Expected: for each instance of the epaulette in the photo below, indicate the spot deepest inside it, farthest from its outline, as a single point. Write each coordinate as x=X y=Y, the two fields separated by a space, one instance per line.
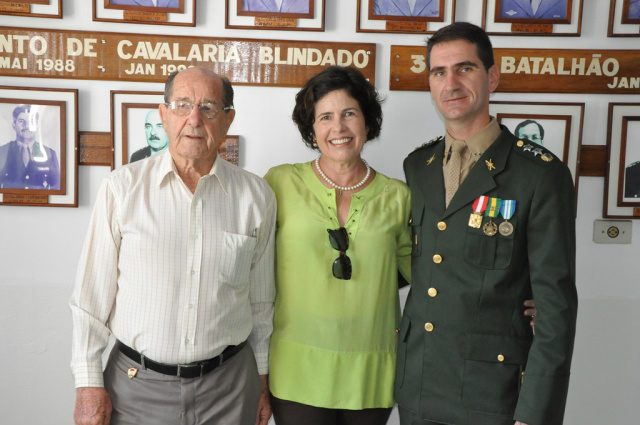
x=430 y=142
x=535 y=150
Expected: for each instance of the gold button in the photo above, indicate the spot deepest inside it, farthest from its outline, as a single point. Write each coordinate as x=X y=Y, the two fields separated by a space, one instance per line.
x=432 y=292
x=520 y=143
x=397 y=330
x=437 y=258
x=500 y=358
x=428 y=327
x=442 y=225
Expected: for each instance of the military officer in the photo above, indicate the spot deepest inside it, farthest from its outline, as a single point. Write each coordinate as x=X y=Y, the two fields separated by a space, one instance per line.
x=25 y=163
x=493 y=224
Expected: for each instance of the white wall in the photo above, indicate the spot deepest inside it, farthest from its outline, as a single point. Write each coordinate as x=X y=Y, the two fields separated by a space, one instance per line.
x=40 y=247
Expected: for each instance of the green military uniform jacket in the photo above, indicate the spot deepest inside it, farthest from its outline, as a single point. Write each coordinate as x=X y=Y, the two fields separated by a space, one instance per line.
x=466 y=353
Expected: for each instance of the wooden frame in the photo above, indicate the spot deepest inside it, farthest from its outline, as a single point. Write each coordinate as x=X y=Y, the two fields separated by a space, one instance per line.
x=313 y=20
x=182 y=15
x=500 y=18
x=560 y=123
x=51 y=173
x=32 y=8
x=622 y=197
x=624 y=18
x=437 y=14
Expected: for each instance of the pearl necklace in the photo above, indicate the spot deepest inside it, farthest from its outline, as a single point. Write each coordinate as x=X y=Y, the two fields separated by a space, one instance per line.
x=341 y=188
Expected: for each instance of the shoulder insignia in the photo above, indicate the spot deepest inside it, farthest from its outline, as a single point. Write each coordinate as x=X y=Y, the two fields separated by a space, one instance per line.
x=535 y=150
x=431 y=142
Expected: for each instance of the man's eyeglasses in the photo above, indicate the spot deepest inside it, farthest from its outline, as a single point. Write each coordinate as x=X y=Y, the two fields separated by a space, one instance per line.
x=208 y=109
x=339 y=240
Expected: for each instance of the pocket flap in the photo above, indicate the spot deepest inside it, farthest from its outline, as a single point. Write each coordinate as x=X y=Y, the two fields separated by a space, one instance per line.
x=497 y=349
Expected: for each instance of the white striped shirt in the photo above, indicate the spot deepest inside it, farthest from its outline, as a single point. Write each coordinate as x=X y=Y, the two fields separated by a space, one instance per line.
x=175 y=275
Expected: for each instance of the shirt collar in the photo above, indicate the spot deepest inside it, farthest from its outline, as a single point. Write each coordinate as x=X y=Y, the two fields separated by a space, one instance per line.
x=479 y=142
x=26 y=145
x=219 y=170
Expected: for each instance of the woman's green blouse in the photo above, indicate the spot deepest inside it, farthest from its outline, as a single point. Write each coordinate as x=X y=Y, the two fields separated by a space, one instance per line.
x=334 y=341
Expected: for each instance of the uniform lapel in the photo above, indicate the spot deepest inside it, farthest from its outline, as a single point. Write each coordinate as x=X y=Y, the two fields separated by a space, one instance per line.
x=545 y=6
x=420 y=6
x=525 y=5
x=403 y=6
x=429 y=179
x=481 y=178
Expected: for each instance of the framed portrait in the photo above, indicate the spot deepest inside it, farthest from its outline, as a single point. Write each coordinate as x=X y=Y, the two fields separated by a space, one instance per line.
x=622 y=181
x=404 y=16
x=137 y=131
x=533 y=17
x=624 y=18
x=38 y=160
x=32 y=8
x=154 y=12
x=556 y=127
x=295 y=15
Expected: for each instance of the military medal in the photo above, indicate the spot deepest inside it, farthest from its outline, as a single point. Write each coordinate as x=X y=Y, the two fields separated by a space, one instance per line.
x=479 y=205
x=507 y=209
x=493 y=209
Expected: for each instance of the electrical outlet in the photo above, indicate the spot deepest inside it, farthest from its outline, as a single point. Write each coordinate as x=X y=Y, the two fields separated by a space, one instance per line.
x=612 y=231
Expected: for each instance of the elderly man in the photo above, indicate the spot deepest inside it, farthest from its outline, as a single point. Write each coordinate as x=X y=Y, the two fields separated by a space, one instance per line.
x=157 y=139
x=178 y=267
x=25 y=163
x=493 y=224
x=533 y=9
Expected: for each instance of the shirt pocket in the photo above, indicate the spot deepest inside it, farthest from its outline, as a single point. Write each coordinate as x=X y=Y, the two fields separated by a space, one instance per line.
x=236 y=256
x=489 y=252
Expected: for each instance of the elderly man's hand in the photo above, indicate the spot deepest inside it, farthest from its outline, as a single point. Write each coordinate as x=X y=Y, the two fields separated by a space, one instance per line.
x=264 y=405
x=93 y=406
x=520 y=423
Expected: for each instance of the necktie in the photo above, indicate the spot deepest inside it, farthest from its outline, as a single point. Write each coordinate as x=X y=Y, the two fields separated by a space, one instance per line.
x=535 y=4
x=454 y=167
x=25 y=155
x=412 y=5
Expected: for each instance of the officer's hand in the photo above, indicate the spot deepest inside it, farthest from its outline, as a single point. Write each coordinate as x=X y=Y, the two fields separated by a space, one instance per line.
x=93 y=406
x=531 y=311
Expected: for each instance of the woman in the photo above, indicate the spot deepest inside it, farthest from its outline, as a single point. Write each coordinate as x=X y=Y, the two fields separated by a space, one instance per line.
x=342 y=236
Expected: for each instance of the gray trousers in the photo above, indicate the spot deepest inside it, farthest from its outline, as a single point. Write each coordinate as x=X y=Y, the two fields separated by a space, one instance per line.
x=226 y=396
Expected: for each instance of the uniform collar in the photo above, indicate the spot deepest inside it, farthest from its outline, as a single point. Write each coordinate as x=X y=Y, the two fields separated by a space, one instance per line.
x=479 y=142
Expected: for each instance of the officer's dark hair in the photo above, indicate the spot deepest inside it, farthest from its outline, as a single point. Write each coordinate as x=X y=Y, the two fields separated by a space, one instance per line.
x=467 y=32
x=227 y=89
x=22 y=109
x=331 y=79
x=526 y=123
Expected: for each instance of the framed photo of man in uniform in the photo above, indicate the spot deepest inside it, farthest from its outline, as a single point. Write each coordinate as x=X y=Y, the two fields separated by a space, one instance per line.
x=404 y=16
x=296 y=15
x=622 y=181
x=155 y=12
x=624 y=18
x=542 y=126
x=532 y=17
x=38 y=164
x=32 y=8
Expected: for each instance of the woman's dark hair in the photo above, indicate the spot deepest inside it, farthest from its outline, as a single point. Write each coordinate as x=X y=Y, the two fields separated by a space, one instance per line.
x=331 y=79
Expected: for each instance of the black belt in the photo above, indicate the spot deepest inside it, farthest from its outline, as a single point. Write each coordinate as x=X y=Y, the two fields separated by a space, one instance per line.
x=193 y=370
